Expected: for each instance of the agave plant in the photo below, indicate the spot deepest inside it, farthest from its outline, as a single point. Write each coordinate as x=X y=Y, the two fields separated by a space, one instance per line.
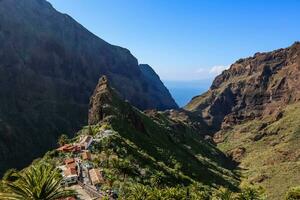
x=40 y=182
x=138 y=192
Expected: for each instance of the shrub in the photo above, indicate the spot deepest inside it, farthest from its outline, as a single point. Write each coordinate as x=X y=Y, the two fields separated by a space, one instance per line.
x=293 y=193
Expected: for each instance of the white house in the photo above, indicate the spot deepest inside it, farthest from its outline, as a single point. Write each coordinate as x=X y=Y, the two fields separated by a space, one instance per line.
x=86 y=141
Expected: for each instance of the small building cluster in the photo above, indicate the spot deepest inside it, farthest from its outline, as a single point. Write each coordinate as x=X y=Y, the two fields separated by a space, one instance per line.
x=78 y=168
x=69 y=171
x=84 y=144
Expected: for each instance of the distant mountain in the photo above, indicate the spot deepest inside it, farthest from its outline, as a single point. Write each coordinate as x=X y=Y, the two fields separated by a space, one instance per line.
x=253 y=87
x=49 y=66
x=254 y=109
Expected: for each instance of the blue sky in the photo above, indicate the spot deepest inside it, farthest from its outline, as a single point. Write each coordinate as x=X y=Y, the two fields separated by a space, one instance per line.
x=189 y=40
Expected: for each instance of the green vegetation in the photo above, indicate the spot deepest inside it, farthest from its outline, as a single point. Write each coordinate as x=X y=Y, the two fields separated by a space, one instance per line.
x=293 y=194
x=63 y=139
x=41 y=181
x=272 y=150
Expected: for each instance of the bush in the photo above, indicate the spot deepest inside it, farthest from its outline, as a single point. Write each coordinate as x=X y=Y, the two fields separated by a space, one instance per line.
x=223 y=194
x=293 y=193
x=251 y=193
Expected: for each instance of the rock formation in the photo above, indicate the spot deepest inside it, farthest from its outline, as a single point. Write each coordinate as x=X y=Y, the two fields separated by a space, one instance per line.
x=252 y=88
x=49 y=66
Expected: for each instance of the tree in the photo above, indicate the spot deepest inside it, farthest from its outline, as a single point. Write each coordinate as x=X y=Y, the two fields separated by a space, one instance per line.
x=199 y=192
x=175 y=193
x=110 y=178
x=125 y=167
x=293 y=193
x=40 y=181
x=157 y=178
x=63 y=139
x=10 y=175
x=223 y=194
x=138 y=192
x=251 y=193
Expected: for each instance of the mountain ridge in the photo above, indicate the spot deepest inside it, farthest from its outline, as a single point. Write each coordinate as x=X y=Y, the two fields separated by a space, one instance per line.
x=49 y=66
x=253 y=108
x=262 y=77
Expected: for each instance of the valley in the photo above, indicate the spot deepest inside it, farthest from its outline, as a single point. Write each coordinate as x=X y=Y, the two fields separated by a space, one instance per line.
x=82 y=119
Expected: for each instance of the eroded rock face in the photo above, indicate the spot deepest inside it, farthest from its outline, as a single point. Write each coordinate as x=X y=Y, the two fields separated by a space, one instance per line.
x=49 y=67
x=106 y=102
x=252 y=88
x=101 y=99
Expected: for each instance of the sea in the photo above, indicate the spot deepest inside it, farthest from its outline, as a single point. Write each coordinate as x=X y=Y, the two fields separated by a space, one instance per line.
x=184 y=91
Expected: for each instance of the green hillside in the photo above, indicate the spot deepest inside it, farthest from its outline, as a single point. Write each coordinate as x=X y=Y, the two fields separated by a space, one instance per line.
x=271 y=150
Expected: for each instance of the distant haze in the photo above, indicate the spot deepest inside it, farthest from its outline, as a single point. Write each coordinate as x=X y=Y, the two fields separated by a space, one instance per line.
x=184 y=91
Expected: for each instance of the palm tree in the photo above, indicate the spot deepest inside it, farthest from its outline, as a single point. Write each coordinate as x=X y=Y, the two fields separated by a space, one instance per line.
x=138 y=192
x=63 y=139
x=223 y=194
x=251 y=193
x=40 y=182
x=124 y=167
x=10 y=175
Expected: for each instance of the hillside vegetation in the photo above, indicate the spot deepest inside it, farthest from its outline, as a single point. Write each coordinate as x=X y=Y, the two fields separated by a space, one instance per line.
x=253 y=108
x=268 y=150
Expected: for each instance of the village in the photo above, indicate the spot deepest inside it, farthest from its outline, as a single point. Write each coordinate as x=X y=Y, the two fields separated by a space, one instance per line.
x=79 y=173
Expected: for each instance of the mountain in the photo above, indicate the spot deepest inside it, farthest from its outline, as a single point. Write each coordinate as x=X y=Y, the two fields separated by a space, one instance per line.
x=253 y=87
x=159 y=142
x=254 y=109
x=49 y=66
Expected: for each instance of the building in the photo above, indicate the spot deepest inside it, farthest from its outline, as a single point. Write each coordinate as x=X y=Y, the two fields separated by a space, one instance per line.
x=69 y=161
x=86 y=155
x=69 y=148
x=70 y=176
x=96 y=177
x=71 y=164
x=86 y=142
x=69 y=171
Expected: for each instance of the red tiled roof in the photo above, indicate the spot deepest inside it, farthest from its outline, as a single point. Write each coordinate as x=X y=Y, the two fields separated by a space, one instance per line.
x=70 y=171
x=72 y=165
x=86 y=155
x=96 y=176
x=69 y=161
x=64 y=147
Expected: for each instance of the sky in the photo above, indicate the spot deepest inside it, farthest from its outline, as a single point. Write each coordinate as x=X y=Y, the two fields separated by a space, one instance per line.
x=186 y=40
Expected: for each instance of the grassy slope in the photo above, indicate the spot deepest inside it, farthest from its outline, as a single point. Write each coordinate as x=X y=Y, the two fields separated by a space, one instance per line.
x=200 y=160
x=272 y=157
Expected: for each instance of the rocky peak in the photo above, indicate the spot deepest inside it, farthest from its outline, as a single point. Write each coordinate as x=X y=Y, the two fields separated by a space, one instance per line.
x=106 y=104
x=251 y=88
x=101 y=99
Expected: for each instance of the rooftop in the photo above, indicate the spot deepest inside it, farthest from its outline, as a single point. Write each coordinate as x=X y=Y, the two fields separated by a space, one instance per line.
x=96 y=176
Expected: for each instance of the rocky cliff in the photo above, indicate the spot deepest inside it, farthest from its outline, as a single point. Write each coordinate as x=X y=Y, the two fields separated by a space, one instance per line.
x=254 y=110
x=49 y=66
x=253 y=87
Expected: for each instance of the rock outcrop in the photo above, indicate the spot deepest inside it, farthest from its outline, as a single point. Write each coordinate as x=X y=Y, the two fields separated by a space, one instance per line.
x=49 y=67
x=252 y=88
x=105 y=104
x=162 y=135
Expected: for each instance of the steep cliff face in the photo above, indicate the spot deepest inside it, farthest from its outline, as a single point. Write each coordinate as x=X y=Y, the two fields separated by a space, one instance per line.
x=155 y=87
x=254 y=109
x=49 y=66
x=252 y=88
